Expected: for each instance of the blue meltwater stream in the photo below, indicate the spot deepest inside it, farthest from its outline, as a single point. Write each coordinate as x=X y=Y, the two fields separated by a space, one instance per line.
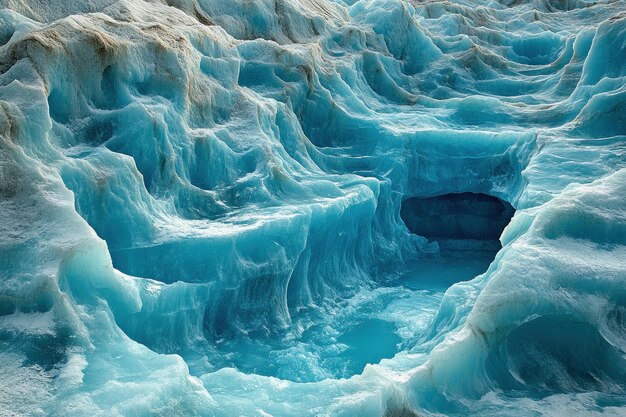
x=372 y=325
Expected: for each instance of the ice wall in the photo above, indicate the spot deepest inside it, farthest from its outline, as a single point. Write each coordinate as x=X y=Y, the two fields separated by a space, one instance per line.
x=176 y=174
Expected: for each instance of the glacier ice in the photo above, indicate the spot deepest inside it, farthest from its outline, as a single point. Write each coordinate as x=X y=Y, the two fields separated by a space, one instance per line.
x=312 y=207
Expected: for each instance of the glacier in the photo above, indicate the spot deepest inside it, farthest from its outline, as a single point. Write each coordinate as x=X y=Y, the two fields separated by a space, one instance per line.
x=312 y=208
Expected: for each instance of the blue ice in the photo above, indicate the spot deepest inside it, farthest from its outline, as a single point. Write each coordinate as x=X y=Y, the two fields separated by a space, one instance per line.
x=312 y=208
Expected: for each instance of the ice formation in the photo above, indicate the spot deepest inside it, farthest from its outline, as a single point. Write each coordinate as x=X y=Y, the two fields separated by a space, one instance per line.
x=312 y=208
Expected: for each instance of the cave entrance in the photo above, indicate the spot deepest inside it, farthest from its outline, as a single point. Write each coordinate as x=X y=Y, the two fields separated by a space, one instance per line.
x=460 y=223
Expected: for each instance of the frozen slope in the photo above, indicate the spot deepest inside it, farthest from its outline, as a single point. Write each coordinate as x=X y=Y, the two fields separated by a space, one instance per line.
x=201 y=208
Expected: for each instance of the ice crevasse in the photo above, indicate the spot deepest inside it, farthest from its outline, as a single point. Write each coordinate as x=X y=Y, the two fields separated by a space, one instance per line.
x=312 y=207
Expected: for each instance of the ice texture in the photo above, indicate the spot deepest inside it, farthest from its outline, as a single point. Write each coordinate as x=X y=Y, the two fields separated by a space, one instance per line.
x=214 y=208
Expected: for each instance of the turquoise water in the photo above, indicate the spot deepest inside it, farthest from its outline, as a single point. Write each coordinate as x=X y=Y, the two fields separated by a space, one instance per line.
x=371 y=325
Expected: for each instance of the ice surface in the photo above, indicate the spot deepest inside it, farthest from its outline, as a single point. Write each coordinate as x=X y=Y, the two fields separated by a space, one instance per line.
x=301 y=207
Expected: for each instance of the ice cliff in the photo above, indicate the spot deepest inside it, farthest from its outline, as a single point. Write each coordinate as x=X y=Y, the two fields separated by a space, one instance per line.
x=312 y=208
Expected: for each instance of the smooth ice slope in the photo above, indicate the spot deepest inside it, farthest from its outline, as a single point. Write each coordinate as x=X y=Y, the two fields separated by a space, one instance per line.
x=200 y=207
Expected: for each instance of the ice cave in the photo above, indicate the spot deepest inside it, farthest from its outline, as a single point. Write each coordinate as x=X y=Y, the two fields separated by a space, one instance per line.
x=293 y=208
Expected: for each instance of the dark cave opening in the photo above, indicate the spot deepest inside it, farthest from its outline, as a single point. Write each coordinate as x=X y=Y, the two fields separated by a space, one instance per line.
x=458 y=222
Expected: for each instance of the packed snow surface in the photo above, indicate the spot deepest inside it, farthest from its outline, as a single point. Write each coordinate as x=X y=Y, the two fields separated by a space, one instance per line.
x=312 y=208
